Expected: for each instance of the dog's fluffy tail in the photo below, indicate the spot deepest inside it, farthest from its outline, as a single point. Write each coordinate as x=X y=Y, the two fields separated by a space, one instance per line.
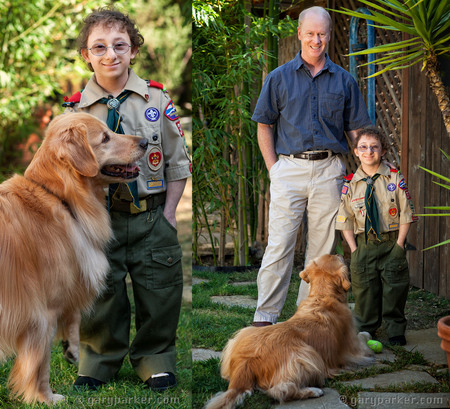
x=242 y=381
x=227 y=400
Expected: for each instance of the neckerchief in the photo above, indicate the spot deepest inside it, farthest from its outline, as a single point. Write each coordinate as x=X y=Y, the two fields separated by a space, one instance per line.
x=114 y=123
x=372 y=218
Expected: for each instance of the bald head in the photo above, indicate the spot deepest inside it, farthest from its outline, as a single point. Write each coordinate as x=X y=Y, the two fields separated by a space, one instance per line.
x=316 y=11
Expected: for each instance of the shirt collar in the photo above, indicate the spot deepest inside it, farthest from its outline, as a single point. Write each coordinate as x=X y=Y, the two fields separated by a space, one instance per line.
x=93 y=92
x=299 y=63
x=383 y=169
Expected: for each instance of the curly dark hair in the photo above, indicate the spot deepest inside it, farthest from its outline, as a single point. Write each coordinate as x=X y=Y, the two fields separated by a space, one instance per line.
x=374 y=133
x=109 y=17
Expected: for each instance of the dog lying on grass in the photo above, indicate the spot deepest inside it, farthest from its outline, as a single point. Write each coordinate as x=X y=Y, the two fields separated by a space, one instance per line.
x=292 y=359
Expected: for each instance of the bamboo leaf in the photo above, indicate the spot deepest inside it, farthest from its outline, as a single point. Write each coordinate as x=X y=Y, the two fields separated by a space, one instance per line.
x=442 y=185
x=435 y=174
x=437 y=245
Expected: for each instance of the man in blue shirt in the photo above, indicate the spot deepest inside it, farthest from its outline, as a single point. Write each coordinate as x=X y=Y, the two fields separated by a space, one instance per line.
x=302 y=112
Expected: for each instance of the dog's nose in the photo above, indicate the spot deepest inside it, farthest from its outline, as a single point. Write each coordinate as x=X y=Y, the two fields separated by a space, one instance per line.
x=143 y=143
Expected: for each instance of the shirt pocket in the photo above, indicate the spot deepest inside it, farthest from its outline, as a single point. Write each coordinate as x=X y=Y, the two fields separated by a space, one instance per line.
x=332 y=106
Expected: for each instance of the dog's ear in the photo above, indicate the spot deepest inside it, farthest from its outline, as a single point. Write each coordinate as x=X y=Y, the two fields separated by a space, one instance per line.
x=304 y=276
x=344 y=280
x=75 y=149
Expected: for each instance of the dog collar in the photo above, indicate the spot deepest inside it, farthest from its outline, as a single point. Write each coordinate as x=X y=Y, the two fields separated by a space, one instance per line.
x=64 y=203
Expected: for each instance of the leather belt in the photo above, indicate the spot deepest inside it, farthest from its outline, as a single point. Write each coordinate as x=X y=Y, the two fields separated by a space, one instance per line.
x=149 y=203
x=316 y=155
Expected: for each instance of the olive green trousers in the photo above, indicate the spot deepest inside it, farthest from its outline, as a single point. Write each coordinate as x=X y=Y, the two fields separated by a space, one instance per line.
x=380 y=284
x=146 y=247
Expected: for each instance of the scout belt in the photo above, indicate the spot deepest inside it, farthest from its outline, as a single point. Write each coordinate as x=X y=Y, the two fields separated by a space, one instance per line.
x=149 y=203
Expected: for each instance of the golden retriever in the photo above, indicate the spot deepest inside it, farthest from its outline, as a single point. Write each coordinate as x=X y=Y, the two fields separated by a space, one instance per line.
x=53 y=230
x=288 y=360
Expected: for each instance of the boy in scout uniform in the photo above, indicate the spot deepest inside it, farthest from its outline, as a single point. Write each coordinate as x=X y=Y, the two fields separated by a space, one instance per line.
x=145 y=243
x=376 y=207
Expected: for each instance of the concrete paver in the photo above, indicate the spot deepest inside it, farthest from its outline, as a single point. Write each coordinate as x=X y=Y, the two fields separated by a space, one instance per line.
x=201 y=354
x=235 y=300
x=427 y=342
x=394 y=378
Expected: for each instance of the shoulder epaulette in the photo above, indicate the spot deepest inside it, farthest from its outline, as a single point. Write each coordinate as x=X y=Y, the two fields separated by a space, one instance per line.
x=71 y=101
x=348 y=178
x=155 y=84
x=394 y=170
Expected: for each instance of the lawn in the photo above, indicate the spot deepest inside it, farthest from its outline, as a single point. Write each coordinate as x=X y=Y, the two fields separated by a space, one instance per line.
x=126 y=391
x=214 y=324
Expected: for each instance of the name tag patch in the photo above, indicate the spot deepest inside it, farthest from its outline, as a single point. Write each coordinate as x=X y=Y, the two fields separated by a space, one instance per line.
x=155 y=184
x=393 y=226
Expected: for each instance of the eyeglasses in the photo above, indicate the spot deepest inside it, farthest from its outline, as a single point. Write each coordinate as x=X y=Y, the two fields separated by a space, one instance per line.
x=100 y=49
x=364 y=148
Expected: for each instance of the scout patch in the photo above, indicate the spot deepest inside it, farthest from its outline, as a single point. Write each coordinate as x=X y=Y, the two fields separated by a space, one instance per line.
x=155 y=184
x=414 y=218
x=391 y=187
x=154 y=158
x=408 y=196
x=171 y=112
x=180 y=129
x=393 y=211
x=152 y=114
x=393 y=226
x=344 y=190
x=402 y=184
x=340 y=219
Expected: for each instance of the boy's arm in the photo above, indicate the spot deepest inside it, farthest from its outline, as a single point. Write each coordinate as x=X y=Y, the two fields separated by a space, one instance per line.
x=173 y=195
x=349 y=237
x=402 y=233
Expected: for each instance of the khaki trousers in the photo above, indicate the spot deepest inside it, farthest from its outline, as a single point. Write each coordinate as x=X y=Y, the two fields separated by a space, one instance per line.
x=380 y=284
x=297 y=185
x=145 y=246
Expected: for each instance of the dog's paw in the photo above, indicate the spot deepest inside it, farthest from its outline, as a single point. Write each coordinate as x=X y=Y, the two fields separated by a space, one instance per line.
x=70 y=352
x=364 y=336
x=55 y=398
x=315 y=392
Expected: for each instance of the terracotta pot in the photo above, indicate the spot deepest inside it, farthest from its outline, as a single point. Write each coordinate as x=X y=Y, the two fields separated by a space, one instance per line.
x=444 y=334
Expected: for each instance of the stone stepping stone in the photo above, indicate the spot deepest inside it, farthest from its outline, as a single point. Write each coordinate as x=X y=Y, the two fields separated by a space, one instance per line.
x=393 y=379
x=330 y=400
x=389 y=400
x=235 y=300
x=198 y=281
x=243 y=283
x=200 y=354
x=427 y=342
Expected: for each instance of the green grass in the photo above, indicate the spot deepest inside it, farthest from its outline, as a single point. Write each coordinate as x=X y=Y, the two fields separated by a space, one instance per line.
x=214 y=324
x=126 y=391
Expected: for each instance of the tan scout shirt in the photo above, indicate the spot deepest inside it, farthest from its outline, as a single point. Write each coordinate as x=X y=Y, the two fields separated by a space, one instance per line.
x=392 y=197
x=148 y=112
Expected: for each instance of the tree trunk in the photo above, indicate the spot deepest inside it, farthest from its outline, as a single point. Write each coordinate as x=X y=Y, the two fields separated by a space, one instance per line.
x=439 y=90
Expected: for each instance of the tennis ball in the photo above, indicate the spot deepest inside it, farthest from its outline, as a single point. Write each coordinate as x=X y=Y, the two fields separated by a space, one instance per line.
x=375 y=346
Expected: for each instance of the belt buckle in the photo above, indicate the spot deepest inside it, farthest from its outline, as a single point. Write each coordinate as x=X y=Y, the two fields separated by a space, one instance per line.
x=143 y=207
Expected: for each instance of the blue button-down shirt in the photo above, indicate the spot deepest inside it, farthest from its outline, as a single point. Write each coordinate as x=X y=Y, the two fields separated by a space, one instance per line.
x=310 y=113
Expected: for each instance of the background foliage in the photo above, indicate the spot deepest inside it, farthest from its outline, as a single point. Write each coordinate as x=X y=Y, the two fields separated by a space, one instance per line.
x=227 y=71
